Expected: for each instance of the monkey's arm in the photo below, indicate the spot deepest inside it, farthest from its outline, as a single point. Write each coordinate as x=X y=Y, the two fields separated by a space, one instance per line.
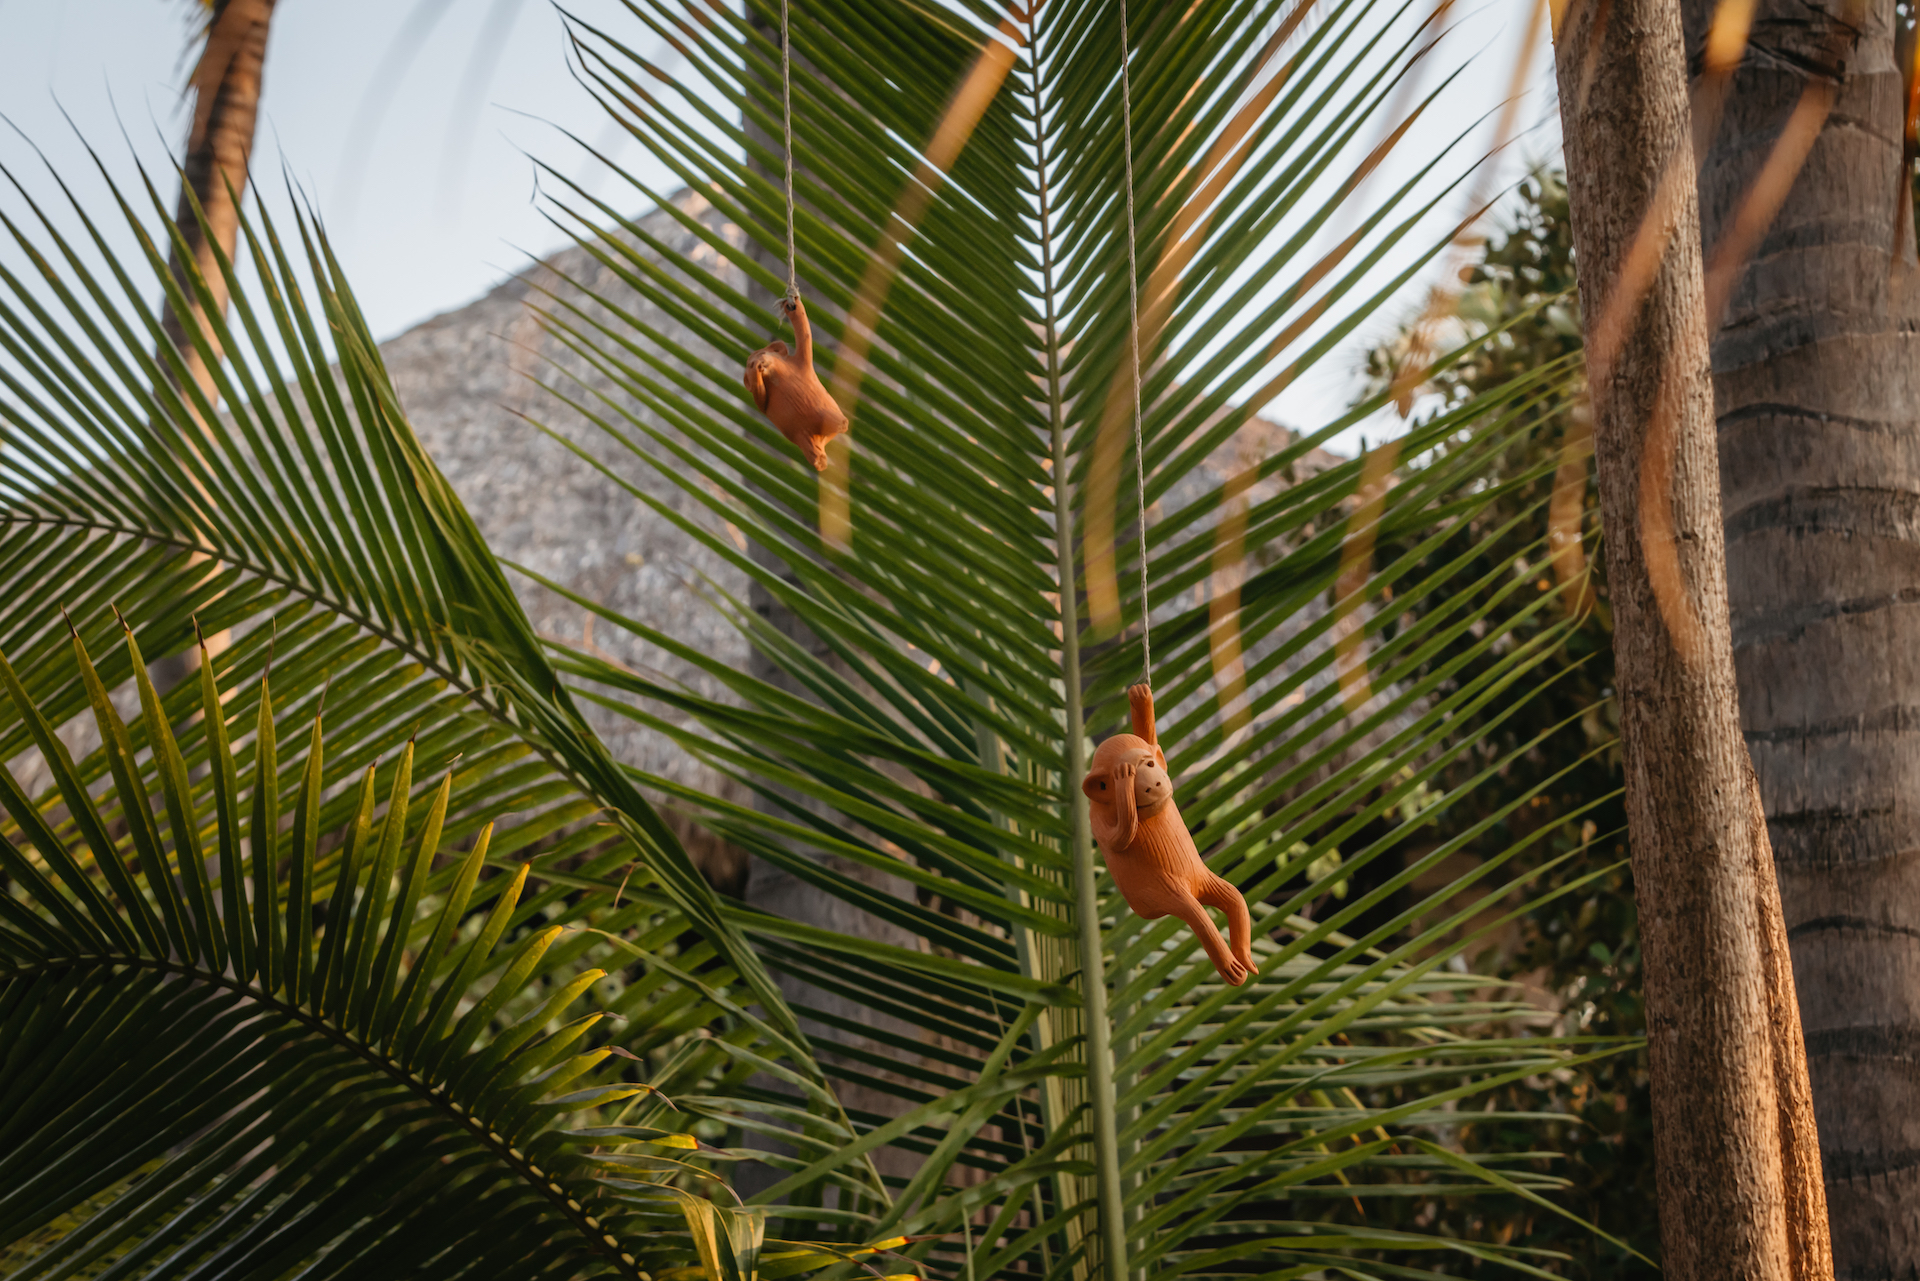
x=802 y=332
x=1140 y=700
x=756 y=381
x=1126 y=815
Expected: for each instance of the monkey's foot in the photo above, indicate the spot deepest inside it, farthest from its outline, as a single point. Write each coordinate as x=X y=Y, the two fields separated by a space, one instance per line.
x=1232 y=971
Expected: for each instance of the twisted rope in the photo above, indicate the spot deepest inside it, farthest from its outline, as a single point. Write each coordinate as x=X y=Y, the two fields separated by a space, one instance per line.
x=1133 y=309
x=786 y=103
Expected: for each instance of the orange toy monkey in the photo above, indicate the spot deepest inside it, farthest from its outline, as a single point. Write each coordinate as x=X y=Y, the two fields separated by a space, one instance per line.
x=789 y=392
x=1148 y=848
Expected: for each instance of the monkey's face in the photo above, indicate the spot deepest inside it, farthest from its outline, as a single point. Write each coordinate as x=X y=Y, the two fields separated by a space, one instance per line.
x=1152 y=785
x=1140 y=768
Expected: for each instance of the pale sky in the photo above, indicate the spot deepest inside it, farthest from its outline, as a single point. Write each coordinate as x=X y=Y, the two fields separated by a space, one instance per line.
x=443 y=207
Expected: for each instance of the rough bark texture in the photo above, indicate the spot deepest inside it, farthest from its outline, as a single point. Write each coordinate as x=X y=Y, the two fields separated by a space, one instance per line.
x=226 y=87
x=1736 y=1195
x=1818 y=400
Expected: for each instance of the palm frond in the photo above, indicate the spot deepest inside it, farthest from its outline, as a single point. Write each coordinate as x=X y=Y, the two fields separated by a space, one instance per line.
x=908 y=1052
x=298 y=516
x=307 y=1082
x=924 y=776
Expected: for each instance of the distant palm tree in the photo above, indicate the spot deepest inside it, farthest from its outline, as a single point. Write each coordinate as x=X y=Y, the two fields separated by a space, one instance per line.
x=225 y=84
x=225 y=87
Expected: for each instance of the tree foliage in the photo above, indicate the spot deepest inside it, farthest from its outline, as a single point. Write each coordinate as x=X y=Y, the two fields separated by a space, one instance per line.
x=1579 y=952
x=923 y=775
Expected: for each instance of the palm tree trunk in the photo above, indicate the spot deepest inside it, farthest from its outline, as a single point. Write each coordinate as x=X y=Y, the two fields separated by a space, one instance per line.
x=1735 y=1165
x=226 y=85
x=1818 y=399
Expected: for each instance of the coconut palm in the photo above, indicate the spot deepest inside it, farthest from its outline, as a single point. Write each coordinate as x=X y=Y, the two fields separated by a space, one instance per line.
x=988 y=1065
x=226 y=84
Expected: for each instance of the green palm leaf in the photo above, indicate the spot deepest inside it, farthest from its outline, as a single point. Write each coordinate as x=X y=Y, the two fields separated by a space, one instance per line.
x=911 y=736
x=194 y=1089
x=302 y=519
x=925 y=772
x=303 y=522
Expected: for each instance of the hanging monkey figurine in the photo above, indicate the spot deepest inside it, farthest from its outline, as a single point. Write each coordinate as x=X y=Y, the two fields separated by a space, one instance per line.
x=789 y=393
x=1147 y=846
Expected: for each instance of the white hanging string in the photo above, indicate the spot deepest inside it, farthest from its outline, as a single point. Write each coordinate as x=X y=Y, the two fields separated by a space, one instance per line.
x=1133 y=311
x=786 y=103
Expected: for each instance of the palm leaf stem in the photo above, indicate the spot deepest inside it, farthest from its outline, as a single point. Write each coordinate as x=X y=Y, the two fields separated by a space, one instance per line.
x=1098 y=1025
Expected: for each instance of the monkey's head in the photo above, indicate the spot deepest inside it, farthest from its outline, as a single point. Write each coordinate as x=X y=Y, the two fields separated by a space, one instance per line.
x=1129 y=759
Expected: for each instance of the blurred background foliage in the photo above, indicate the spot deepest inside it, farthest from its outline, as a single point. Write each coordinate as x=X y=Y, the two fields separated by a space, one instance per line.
x=1578 y=956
